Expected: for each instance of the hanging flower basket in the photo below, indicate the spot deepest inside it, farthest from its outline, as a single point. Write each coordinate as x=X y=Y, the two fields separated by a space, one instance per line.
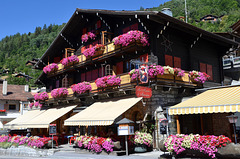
x=81 y=88
x=94 y=51
x=59 y=93
x=108 y=81
x=51 y=68
x=198 y=77
x=41 y=96
x=69 y=61
x=131 y=37
x=87 y=36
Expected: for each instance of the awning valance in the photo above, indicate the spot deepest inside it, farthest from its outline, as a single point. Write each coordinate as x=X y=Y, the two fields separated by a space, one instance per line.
x=102 y=113
x=219 y=100
x=22 y=119
x=43 y=120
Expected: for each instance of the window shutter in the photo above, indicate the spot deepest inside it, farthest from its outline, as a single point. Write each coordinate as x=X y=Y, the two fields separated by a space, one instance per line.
x=83 y=77
x=57 y=84
x=177 y=62
x=168 y=60
x=125 y=30
x=99 y=24
x=94 y=74
x=119 y=68
x=144 y=57
x=209 y=72
x=203 y=67
x=84 y=30
x=134 y=26
x=56 y=59
x=89 y=76
x=101 y=71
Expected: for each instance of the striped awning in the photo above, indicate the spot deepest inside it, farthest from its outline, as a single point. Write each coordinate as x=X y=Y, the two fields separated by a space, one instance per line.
x=219 y=100
x=102 y=113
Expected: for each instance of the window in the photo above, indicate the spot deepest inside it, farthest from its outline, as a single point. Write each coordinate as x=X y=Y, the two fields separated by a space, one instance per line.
x=207 y=69
x=12 y=107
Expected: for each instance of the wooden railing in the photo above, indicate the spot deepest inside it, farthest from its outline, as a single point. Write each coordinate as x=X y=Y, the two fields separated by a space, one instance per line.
x=166 y=79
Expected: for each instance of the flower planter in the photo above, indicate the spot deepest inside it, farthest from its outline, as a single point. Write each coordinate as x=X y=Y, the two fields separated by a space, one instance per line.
x=140 y=148
x=53 y=71
x=177 y=78
x=83 y=94
x=70 y=64
x=97 y=53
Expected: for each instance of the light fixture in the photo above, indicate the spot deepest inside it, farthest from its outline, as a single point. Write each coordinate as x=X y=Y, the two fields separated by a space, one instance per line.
x=233 y=120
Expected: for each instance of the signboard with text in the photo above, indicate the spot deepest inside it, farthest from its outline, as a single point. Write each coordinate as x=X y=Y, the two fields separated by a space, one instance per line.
x=144 y=92
x=125 y=130
x=52 y=129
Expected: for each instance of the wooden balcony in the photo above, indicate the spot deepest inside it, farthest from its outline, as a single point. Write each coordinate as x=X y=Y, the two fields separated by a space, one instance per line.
x=126 y=83
x=109 y=51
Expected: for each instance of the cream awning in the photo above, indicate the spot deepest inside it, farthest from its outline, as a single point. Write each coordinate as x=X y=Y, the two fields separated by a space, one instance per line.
x=43 y=120
x=102 y=113
x=19 y=121
x=219 y=100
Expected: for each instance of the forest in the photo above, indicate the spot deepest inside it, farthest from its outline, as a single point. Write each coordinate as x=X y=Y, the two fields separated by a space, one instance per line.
x=16 y=50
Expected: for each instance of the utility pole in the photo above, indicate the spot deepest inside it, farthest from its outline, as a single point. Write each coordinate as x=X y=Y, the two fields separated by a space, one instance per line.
x=186 y=10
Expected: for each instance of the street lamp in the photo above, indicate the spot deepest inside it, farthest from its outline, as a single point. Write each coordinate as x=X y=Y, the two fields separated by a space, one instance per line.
x=233 y=120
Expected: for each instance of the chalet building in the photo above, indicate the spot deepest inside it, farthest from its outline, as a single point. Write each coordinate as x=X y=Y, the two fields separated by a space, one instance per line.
x=13 y=102
x=172 y=43
x=211 y=18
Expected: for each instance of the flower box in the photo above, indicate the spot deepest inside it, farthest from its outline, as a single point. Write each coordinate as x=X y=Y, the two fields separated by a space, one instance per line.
x=108 y=81
x=94 y=51
x=198 y=77
x=51 y=68
x=59 y=93
x=81 y=88
x=41 y=96
x=87 y=36
x=69 y=61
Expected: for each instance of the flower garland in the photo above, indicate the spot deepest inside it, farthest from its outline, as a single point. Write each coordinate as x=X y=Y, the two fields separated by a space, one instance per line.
x=91 y=51
x=59 y=92
x=95 y=144
x=41 y=96
x=88 y=35
x=206 y=144
x=131 y=36
x=106 y=81
x=66 y=61
x=201 y=77
x=81 y=87
x=143 y=138
x=49 y=68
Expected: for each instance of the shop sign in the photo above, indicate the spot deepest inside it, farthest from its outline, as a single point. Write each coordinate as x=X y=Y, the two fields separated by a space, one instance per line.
x=52 y=129
x=144 y=92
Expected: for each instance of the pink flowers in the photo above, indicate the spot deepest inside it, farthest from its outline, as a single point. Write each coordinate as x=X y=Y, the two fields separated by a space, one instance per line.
x=91 y=51
x=81 y=87
x=143 y=138
x=59 y=92
x=131 y=36
x=31 y=105
x=41 y=96
x=178 y=72
x=50 y=68
x=155 y=70
x=37 y=104
x=199 y=76
x=95 y=144
x=71 y=59
x=106 y=81
x=206 y=144
x=88 y=35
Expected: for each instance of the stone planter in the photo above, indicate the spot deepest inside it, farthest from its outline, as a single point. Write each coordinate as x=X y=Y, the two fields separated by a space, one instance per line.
x=140 y=148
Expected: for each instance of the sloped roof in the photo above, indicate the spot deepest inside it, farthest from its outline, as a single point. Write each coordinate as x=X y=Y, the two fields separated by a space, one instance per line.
x=15 y=92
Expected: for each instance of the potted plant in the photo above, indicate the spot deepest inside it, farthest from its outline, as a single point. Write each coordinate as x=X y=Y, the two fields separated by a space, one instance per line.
x=131 y=37
x=87 y=36
x=178 y=73
x=108 y=81
x=142 y=140
x=155 y=70
x=134 y=74
x=59 y=93
x=198 y=77
x=50 y=68
x=80 y=88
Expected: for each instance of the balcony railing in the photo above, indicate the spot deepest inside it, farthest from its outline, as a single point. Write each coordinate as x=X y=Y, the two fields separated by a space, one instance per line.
x=234 y=62
x=109 y=51
x=166 y=79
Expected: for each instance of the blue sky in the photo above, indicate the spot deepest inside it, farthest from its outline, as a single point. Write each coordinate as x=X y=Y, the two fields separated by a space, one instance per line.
x=24 y=16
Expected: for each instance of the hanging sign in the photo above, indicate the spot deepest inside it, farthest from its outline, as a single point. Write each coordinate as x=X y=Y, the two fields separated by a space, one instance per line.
x=144 y=92
x=52 y=129
x=143 y=74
